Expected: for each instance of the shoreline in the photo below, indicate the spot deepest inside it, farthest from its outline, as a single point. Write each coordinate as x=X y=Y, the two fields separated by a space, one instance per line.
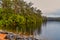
x=12 y=36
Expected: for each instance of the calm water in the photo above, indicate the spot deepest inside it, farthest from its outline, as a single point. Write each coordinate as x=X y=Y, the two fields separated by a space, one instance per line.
x=49 y=31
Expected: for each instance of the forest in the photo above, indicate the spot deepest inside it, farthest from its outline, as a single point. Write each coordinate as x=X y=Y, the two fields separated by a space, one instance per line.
x=15 y=14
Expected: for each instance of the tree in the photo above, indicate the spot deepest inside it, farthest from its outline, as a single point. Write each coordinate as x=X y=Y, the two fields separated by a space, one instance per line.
x=15 y=13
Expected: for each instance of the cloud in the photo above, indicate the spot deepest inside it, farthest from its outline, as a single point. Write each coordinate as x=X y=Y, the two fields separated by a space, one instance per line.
x=53 y=14
x=46 y=6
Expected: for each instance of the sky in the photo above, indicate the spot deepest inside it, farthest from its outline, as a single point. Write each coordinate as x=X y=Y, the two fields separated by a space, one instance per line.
x=46 y=6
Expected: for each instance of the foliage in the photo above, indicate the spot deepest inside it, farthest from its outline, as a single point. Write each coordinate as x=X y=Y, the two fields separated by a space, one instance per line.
x=15 y=13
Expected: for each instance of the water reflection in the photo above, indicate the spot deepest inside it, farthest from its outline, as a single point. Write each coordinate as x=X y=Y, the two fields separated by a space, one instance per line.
x=38 y=30
x=50 y=30
x=28 y=29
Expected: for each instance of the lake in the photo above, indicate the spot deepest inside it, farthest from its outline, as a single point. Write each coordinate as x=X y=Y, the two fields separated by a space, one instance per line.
x=48 y=31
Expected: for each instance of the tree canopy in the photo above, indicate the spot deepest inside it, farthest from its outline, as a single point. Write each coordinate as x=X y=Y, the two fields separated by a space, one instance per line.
x=13 y=13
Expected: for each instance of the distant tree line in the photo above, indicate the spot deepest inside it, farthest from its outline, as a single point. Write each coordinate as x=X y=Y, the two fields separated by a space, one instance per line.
x=53 y=18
